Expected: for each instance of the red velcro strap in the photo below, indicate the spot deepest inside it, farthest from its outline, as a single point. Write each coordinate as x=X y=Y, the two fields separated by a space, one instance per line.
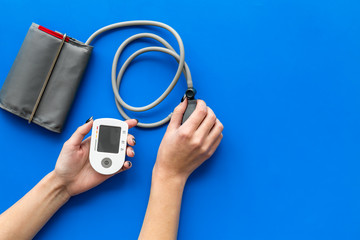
x=55 y=34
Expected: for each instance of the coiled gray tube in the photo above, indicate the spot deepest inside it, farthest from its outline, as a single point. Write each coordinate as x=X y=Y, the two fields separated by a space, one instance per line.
x=120 y=103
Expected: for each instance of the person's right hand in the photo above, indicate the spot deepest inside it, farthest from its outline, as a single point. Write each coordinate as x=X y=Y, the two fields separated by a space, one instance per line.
x=185 y=147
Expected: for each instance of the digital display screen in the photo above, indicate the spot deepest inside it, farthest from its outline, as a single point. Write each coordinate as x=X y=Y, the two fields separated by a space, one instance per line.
x=109 y=139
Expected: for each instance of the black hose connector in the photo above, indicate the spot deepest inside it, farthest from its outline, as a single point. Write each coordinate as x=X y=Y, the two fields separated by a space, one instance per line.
x=191 y=104
x=190 y=93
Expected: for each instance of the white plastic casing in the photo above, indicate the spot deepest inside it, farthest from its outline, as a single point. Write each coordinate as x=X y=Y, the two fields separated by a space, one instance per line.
x=117 y=159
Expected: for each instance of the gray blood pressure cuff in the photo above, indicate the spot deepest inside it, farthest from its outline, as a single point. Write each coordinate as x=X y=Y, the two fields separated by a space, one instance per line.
x=44 y=77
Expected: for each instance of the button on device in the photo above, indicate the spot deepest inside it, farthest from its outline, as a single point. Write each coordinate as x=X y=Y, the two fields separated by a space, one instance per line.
x=106 y=162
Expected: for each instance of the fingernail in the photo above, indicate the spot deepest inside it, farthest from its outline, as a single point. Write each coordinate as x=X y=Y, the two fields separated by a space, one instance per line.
x=183 y=98
x=133 y=152
x=137 y=120
x=134 y=141
x=129 y=163
x=90 y=119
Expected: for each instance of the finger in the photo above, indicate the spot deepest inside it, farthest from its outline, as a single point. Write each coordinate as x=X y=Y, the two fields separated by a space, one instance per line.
x=216 y=130
x=214 y=134
x=131 y=140
x=130 y=152
x=80 y=133
x=177 y=115
x=132 y=122
x=127 y=165
x=215 y=145
x=208 y=123
x=196 y=118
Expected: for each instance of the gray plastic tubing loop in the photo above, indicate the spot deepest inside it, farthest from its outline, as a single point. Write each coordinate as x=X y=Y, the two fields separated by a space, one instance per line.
x=168 y=49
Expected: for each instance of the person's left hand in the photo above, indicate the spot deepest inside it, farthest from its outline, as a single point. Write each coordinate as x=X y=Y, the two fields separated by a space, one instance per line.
x=73 y=168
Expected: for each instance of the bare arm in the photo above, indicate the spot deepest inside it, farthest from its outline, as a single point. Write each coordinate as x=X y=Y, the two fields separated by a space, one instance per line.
x=24 y=219
x=163 y=211
x=183 y=149
x=72 y=175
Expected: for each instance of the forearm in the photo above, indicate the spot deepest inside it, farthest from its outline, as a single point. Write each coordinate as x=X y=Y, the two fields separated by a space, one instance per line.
x=26 y=217
x=163 y=211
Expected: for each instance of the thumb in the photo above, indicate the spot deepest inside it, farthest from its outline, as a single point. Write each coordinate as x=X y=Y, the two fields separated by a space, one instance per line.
x=177 y=115
x=80 y=133
x=132 y=122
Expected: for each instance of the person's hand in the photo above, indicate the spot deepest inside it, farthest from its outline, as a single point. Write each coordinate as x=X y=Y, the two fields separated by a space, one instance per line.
x=185 y=147
x=73 y=168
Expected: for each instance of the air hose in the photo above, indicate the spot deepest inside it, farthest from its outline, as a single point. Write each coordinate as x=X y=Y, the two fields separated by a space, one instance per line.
x=180 y=58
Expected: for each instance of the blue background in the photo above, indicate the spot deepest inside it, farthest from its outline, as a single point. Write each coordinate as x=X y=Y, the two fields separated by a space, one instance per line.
x=282 y=76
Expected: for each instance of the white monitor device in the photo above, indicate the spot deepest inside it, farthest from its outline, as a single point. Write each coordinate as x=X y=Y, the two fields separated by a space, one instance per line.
x=108 y=145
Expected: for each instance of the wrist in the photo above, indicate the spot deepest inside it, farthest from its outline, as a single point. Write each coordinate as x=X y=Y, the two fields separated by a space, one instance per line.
x=160 y=175
x=56 y=187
